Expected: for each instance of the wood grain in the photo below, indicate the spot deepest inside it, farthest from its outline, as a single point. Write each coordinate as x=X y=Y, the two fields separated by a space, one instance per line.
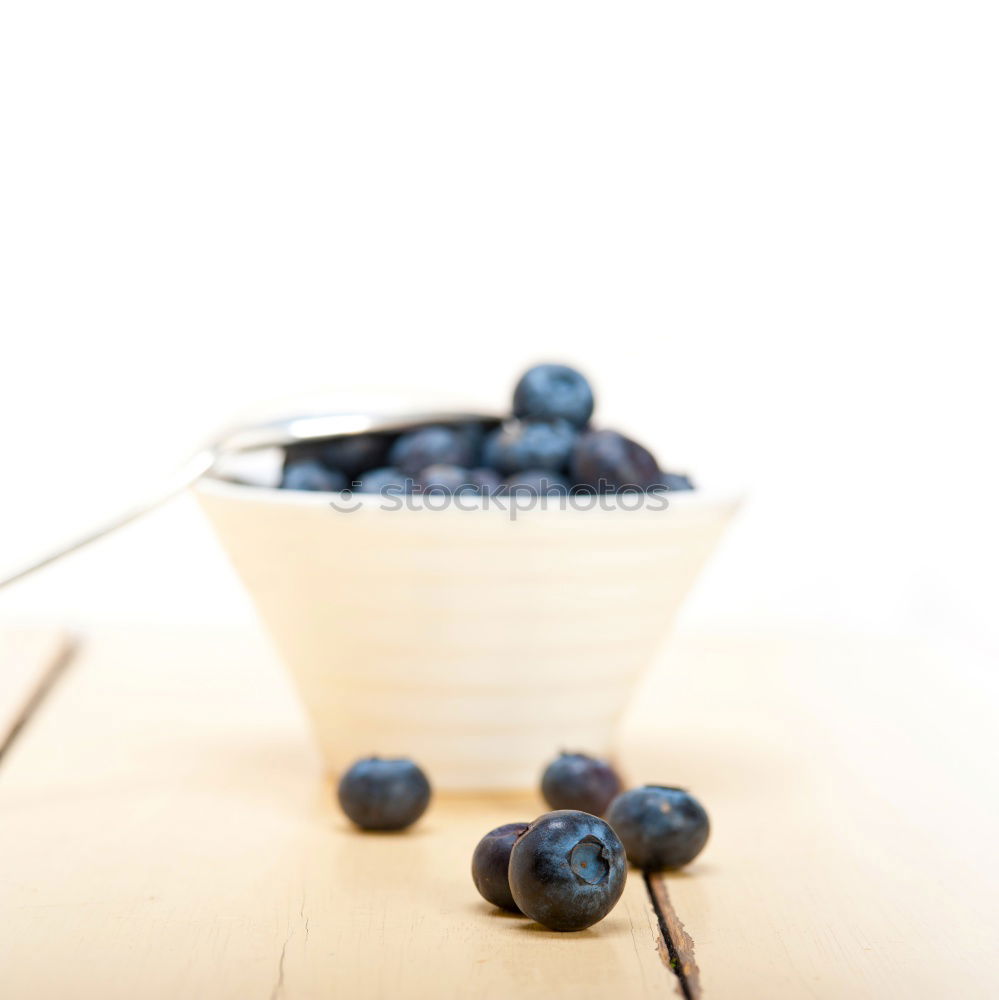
x=30 y=661
x=165 y=831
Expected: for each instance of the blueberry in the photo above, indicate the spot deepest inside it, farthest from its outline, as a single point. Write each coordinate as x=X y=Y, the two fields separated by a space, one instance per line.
x=308 y=474
x=530 y=444
x=568 y=870
x=576 y=781
x=676 y=481
x=493 y=451
x=379 y=480
x=660 y=827
x=536 y=482
x=443 y=480
x=550 y=391
x=384 y=794
x=491 y=865
x=432 y=445
x=609 y=461
x=486 y=481
x=354 y=453
x=473 y=435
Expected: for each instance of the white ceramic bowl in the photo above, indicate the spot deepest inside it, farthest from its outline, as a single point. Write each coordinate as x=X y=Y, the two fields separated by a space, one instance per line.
x=476 y=644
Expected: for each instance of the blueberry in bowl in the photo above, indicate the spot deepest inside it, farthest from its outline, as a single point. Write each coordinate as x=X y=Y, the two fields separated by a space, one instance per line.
x=608 y=462
x=433 y=445
x=384 y=479
x=444 y=480
x=660 y=826
x=352 y=454
x=546 y=447
x=551 y=391
x=310 y=474
x=485 y=480
x=567 y=870
x=491 y=865
x=536 y=482
x=530 y=444
x=578 y=781
x=384 y=794
x=677 y=481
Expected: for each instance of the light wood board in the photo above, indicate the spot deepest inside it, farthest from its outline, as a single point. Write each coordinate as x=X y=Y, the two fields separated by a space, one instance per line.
x=851 y=783
x=165 y=832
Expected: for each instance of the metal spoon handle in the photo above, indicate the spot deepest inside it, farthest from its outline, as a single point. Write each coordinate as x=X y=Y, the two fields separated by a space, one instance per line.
x=188 y=473
x=280 y=432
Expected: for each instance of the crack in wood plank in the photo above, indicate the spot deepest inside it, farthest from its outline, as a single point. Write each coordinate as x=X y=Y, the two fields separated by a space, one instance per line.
x=279 y=982
x=67 y=649
x=677 y=946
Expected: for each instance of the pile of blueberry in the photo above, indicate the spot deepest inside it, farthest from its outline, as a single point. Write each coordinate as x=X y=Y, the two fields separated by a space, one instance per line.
x=547 y=447
x=567 y=869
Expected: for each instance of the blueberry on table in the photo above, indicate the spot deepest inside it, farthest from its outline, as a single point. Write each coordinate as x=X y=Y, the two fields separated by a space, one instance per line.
x=567 y=870
x=433 y=445
x=530 y=444
x=551 y=391
x=609 y=461
x=577 y=781
x=382 y=794
x=491 y=865
x=536 y=482
x=660 y=827
x=308 y=474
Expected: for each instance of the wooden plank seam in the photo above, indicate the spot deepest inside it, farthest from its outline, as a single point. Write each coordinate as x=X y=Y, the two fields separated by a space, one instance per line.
x=679 y=957
x=38 y=695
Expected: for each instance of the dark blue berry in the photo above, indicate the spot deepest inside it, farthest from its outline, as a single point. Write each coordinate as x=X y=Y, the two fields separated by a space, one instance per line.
x=576 y=781
x=474 y=435
x=660 y=827
x=491 y=865
x=608 y=461
x=551 y=391
x=354 y=453
x=530 y=444
x=443 y=480
x=384 y=794
x=380 y=480
x=486 y=481
x=434 y=445
x=308 y=474
x=536 y=482
x=492 y=449
x=676 y=481
x=568 y=870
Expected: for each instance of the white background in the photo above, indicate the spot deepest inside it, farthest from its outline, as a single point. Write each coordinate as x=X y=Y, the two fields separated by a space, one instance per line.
x=767 y=231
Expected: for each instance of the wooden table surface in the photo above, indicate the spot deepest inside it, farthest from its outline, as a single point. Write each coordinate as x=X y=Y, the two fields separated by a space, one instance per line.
x=166 y=832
